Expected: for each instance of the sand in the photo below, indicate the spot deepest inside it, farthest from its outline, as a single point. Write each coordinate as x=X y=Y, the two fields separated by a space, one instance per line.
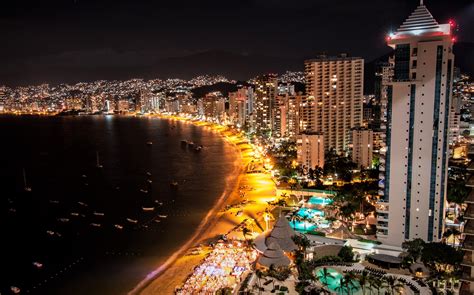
x=172 y=274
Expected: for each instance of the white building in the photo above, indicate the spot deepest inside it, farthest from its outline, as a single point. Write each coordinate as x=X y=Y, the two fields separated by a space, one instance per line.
x=333 y=105
x=310 y=150
x=413 y=190
x=362 y=147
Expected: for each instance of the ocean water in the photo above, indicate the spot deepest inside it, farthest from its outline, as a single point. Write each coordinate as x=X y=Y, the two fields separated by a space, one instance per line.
x=67 y=222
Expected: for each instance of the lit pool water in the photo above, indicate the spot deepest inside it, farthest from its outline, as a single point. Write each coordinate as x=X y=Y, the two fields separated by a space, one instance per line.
x=309 y=213
x=319 y=201
x=333 y=282
x=303 y=226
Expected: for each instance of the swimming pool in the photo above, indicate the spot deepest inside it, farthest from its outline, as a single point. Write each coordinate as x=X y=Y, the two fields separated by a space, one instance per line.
x=334 y=279
x=309 y=213
x=319 y=201
x=303 y=226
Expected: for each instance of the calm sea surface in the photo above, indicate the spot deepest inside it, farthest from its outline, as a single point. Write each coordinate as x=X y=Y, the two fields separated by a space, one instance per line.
x=67 y=222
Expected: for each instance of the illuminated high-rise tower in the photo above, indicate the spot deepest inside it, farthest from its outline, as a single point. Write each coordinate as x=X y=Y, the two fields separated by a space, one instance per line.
x=413 y=187
x=333 y=102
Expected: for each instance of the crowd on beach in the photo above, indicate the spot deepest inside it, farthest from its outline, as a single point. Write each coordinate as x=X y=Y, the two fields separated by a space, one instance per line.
x=224 y=267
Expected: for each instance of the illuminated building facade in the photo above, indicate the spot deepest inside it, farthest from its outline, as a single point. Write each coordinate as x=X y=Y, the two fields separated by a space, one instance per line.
x=310 y=150
x=362 y=147
x=333 y=102
x=413 y=187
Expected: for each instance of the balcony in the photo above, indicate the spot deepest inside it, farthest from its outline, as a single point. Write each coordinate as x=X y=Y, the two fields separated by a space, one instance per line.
x=382 y=160
x=382 y=176
x=381 y=184
x=469 y=228
x=382 y=167
x=468 y=243
x=467 y=278
x=469 y=213
x=470 y=198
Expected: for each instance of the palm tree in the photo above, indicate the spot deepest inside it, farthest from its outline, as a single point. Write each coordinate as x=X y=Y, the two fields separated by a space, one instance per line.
x=393 y=284
x=363 y=279
x=295 y=218
x=324 y=275
x=375 y=283
x=342 y=286
x=349 y=278
x=259 y=275
x=245 y=232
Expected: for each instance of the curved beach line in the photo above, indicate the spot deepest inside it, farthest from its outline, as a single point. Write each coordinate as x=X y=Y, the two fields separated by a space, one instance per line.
x=211 y=218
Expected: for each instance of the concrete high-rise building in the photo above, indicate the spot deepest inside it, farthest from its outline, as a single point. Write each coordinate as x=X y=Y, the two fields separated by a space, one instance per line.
x=310 y=150
x=413 y=197
x=362 y=147
x=333 y=102
x=383 y=76
x=241 y=107
x=289 y=106
x=265 y=89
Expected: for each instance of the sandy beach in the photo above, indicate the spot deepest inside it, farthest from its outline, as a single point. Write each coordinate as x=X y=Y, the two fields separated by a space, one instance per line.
x=256 y=188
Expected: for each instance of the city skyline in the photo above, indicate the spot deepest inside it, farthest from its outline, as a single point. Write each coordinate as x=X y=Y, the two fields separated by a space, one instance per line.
x=341 y=175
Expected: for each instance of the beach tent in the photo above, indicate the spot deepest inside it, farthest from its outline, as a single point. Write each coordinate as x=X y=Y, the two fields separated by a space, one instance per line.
x=282 y=234
x=273 y=255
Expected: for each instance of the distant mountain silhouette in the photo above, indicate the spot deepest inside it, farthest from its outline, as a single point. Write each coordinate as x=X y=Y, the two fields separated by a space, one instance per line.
x=232 y=65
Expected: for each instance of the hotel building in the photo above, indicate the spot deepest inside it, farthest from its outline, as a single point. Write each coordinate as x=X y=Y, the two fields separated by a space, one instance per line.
x=333 y=102
x=413 y=187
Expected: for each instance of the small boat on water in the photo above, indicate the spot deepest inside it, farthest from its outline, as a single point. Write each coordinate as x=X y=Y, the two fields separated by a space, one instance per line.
x=174 y=184
x=149 y=181
x=25 y=186
x=98 y=165
x=148 y=208
x=50 y=232
x=118 y=226
x=159 y=203
x=149 y=143
x=82 y=204
x=144 y=191
x=74 y=214
x=37 y=264
x=190 y=144
x=63 y=220
x=157 y=220
x=58 y=235
x=132 y=220
x=15 y=290
x=98 y=213
x=198 y=148
x=148 y=173
x=84 y=176
x=53 y=202
x=163 y=216
x=96 y=224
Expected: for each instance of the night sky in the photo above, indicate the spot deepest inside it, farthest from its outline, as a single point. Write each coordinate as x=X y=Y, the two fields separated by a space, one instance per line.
x=70 y=40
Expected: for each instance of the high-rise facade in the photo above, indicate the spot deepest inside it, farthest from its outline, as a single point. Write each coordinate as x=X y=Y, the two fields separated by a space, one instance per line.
x=289 y=108
x=333 y=102
x=265 y=89
x=362 y=147
x=413 y=187
x=310 y=150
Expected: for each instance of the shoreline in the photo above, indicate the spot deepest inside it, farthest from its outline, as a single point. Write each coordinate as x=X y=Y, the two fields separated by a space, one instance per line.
x=205 y=230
